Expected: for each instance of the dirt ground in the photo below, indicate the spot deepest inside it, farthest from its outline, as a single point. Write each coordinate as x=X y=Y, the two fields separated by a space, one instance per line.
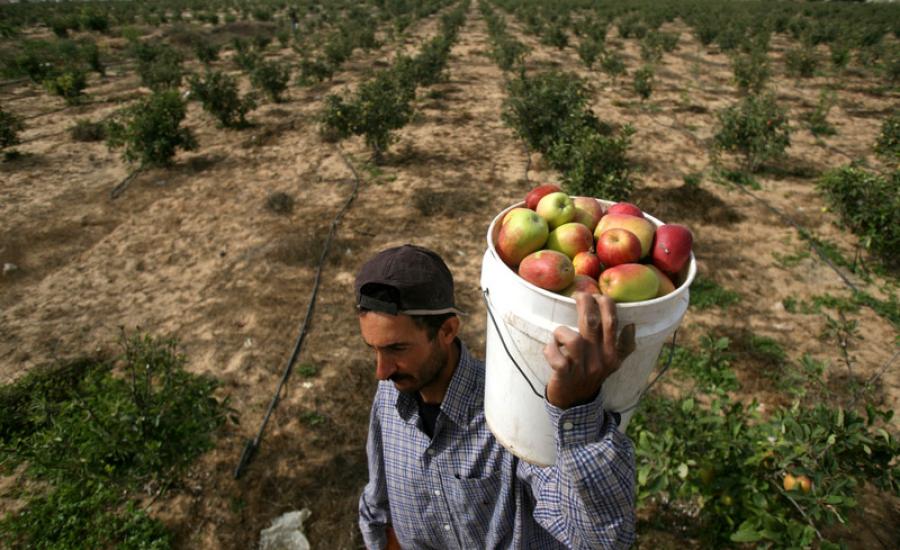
x=192 y=251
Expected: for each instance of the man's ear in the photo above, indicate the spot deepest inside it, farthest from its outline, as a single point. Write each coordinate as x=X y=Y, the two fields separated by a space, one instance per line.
x=449 y=330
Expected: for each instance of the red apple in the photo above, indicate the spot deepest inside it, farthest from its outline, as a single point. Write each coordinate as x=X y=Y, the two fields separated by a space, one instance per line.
x=641 y=227
x=570 y=239
x=665 y=283
x=547 y=269
x=582 y=283
x=629 y=283
x=587 y=263
x=618 y=246
x=522 y=232
x=588 y=211
x=535 y=195
x=625 y=208
x=672 y=247
x=557 y=208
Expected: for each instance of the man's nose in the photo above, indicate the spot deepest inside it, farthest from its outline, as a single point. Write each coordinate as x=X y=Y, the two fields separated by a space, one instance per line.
x=384 y=367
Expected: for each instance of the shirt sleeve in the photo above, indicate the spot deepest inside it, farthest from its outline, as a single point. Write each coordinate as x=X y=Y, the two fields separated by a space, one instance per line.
x=587 y=499
x=374 y=513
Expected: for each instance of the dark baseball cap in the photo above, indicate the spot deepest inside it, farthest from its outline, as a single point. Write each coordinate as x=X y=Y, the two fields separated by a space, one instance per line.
x=407 y=279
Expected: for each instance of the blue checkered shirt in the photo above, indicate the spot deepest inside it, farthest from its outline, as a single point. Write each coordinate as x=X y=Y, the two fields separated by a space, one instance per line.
x=462 y=490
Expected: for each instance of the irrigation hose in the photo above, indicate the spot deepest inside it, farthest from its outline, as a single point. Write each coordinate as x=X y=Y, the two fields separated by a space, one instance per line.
x=252 y=445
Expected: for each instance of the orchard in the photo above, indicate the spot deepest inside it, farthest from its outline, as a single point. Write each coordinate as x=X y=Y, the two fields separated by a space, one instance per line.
x=180 y=180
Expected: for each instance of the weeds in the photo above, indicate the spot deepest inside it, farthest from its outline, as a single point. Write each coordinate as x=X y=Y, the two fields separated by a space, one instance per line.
x=94 y=432
x=706 y=294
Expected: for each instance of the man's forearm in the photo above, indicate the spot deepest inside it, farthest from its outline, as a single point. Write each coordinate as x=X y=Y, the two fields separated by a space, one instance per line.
x=587 y=498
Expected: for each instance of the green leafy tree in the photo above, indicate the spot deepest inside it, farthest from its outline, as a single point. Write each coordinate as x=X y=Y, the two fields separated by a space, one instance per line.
x=643 y=82
x=538 y=107
x=888 y=143
x=869 y=204
x=751 y=71
x=271 y=77
x=150 y=130
x=380 y=105
x=755 y=127
x=220 y=96
x=10 y=126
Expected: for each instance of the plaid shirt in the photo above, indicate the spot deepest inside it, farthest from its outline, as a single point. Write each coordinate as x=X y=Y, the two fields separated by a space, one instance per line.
x=463 y=490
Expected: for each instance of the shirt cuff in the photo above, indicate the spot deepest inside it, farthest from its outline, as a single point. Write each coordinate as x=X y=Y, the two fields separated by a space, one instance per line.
x=374 y=538
x=577 y=425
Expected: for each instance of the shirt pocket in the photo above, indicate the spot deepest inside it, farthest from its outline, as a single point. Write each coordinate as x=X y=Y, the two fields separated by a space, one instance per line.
x=474 y=503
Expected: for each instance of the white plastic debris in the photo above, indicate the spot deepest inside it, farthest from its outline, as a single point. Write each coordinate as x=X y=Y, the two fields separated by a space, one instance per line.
x=286 y=532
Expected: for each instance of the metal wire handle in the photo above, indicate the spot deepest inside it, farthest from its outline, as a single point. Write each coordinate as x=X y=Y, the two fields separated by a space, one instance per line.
x=487 y=304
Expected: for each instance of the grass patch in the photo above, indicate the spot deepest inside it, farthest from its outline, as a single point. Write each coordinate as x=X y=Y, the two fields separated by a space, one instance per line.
x=706 y=294
x=93 y=432
x=737 y=177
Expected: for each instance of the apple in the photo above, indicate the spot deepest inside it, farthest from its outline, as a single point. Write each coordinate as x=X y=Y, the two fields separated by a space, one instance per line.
x=805 y=483
x=570 y=239
x=557 y=208
x=582 y=283
x=672 y=247
x=641 y=227
x=588 y=211
x=618 y=246
x=625 y=208
x=789 y=482
x=547 y=269
x=522 y=232
x=629 y=283
x=587 y=263
x=535 y=195
x=665 y=283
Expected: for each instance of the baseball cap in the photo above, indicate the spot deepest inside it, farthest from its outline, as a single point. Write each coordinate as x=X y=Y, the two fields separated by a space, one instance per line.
x=407 y=279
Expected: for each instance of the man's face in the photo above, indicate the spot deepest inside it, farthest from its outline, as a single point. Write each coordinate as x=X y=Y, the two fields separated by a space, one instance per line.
x=403 y=353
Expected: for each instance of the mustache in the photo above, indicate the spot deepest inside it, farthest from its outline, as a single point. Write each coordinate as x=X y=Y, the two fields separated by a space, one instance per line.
x=396 y=377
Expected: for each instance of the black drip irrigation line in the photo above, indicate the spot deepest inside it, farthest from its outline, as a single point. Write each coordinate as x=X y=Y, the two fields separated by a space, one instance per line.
x=252 y=445
x=802 y=232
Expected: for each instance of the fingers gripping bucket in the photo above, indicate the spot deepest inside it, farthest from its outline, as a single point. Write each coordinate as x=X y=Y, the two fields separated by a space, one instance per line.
x=521 y=321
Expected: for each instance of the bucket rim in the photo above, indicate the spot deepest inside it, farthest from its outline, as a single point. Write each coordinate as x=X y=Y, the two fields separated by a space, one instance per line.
x=677 y=293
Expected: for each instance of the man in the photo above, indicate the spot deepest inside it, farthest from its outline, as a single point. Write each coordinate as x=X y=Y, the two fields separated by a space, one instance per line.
x=437 y=477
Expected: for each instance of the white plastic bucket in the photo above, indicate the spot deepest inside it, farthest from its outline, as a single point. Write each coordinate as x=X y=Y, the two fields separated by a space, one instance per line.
x=527 y=316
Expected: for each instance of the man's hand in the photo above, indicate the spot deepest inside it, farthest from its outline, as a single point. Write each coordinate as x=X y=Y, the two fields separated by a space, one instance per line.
x=583 y=360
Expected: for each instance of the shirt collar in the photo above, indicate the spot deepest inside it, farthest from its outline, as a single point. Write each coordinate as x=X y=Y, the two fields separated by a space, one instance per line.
x=464 y=394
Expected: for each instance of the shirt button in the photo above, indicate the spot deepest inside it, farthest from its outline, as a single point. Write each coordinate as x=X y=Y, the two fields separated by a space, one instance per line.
x=437 y=492
x=431 y=452
x=568 y=425
x=446 y=527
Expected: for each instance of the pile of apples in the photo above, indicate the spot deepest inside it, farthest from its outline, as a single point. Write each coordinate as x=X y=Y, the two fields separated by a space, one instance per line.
x=566 y=244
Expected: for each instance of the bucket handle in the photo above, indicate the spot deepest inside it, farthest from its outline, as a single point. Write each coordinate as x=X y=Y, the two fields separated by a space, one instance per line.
x=487 y=304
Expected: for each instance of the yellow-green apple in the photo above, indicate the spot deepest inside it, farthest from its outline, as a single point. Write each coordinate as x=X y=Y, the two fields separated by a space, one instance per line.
x=665 y=283
x=522 y=232
x=629 y=283
x=641 y=227
x=570 y=239
x=548 y=269
x=805 y=483
x=535 y=195
x=672 y=247
x=618 y=246
x=789 y=482
x=588 y=211
x=587 y=263
x=557 y=208
x=582 y=283
x=625 y=208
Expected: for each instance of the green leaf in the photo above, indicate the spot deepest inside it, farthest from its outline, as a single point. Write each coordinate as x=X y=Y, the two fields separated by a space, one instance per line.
x=687 y=405
x=834 y=499
x=643 y=474
x=746 y=534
